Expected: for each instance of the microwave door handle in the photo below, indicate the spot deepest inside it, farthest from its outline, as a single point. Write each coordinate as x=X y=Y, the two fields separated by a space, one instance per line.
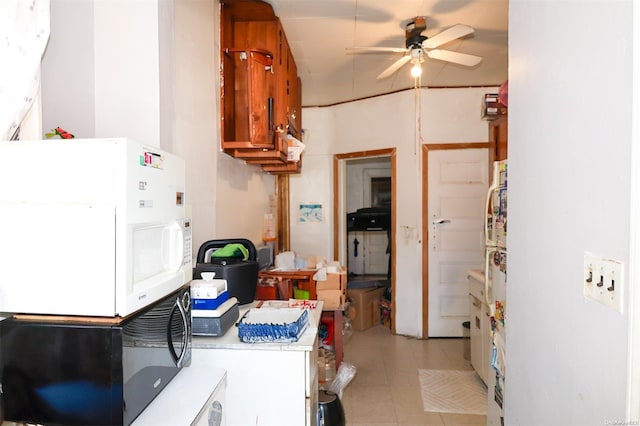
x=183 y=314
x=185 y=337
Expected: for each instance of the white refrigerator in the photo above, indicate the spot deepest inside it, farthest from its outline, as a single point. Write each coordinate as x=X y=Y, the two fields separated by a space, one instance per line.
x=495 y=274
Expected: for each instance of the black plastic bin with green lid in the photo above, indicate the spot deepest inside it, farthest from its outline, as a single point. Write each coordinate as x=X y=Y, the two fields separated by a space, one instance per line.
x=235 y=262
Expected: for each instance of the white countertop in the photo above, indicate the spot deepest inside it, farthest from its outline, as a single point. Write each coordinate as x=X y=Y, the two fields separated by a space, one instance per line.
x=230 y=339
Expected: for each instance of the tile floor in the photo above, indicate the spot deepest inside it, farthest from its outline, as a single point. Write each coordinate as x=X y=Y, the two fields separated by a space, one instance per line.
x=385 y=390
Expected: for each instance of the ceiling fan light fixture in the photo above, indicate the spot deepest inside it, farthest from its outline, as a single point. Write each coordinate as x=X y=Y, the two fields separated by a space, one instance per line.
x=419 y=47
x=416 y=70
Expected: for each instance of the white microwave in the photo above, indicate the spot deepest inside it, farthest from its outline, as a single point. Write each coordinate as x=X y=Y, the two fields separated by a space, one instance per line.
x=90 y=227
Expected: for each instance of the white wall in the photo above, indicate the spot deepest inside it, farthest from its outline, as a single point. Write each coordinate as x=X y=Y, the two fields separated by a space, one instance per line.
x=403 y=121
x=314 y=184
x=68 y=70
x=569 y=188
x=166 y=96
x=106 y=67
x=228 y=197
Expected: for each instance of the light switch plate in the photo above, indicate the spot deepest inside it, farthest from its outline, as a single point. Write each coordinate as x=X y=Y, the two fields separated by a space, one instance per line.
x=603 y=280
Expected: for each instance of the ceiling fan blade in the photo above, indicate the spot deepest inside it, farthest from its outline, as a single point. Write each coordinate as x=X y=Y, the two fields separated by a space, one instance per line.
x=394 y=67
x=376 y=49
x=447 y=35
x=455 y=57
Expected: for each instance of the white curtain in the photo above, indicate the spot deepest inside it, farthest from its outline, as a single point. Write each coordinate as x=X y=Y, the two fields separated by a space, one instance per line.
x=24 y=33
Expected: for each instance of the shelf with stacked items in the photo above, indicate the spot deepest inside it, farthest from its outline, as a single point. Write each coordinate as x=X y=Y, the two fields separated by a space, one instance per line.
x=294 y=158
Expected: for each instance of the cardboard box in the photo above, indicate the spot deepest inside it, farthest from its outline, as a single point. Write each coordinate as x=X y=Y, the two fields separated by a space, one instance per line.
x=366 y=302
x=335 y=281
x=332 y=299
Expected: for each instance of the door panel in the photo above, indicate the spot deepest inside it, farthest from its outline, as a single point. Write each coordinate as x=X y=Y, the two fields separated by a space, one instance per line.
x=457 y=183
x=376 y=258
x=355 y=241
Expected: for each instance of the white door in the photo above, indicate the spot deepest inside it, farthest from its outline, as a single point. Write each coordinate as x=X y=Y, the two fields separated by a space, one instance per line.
x=376 y=243
x=355 y=243
x=376 y=257
x=458 y=180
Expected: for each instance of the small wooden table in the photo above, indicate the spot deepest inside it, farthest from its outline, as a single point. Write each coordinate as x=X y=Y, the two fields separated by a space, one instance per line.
x=303 y=277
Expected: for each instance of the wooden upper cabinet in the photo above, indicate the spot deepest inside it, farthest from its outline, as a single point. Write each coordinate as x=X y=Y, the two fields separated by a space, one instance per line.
x=259 y=86
x=498 y=137
x=248 y=111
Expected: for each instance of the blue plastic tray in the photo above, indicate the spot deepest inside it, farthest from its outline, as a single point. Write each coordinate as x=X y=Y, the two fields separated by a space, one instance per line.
x=273 y=325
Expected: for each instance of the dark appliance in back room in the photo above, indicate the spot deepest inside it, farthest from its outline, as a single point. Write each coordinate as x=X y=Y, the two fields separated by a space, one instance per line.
x=94 y=372
x=372 y=219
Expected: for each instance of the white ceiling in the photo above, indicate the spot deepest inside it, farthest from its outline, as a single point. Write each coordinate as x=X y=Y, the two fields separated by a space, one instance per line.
x=319 y=31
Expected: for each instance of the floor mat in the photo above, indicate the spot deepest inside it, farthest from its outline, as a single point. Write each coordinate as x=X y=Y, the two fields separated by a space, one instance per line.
x=453 y=391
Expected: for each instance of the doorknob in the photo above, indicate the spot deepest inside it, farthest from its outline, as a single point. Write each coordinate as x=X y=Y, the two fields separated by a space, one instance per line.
x=440 y=221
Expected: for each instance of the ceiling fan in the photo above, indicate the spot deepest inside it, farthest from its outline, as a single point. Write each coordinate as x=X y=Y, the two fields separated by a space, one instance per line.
x=418 y=46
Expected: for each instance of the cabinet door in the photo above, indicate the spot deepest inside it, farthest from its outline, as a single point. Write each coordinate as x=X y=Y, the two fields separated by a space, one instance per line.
x=498 y=136
x=311 y=385
x=477 y=344
x=248 y=108
x=298 y=109
x=291 y=94
x=267 y=98
x=479 y=333
x=265 y=387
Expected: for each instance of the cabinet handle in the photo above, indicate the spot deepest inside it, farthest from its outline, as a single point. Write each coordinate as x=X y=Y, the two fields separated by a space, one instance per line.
x=270 y=112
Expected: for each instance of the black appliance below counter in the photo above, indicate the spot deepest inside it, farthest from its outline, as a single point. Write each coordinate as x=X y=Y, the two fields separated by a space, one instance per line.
x=81 y=373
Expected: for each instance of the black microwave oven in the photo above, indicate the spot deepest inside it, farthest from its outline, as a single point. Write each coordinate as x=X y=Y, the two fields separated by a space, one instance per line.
x=89 y=373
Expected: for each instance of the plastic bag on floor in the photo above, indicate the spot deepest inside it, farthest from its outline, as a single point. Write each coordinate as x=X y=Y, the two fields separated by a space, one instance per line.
x=344 y=376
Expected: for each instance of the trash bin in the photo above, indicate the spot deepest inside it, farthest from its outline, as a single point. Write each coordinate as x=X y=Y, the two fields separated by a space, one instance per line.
x=466 y=340
x=330 y=410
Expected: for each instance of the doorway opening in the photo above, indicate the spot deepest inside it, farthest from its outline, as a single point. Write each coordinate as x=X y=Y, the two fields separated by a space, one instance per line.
x=364 y=218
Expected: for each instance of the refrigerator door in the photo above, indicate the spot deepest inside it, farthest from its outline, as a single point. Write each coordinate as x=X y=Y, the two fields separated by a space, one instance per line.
x=496 y=289
x=496 y=268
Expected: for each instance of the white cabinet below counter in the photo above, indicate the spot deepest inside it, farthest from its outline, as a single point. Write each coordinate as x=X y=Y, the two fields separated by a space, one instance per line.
x=268 y=384
x=480 y=332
